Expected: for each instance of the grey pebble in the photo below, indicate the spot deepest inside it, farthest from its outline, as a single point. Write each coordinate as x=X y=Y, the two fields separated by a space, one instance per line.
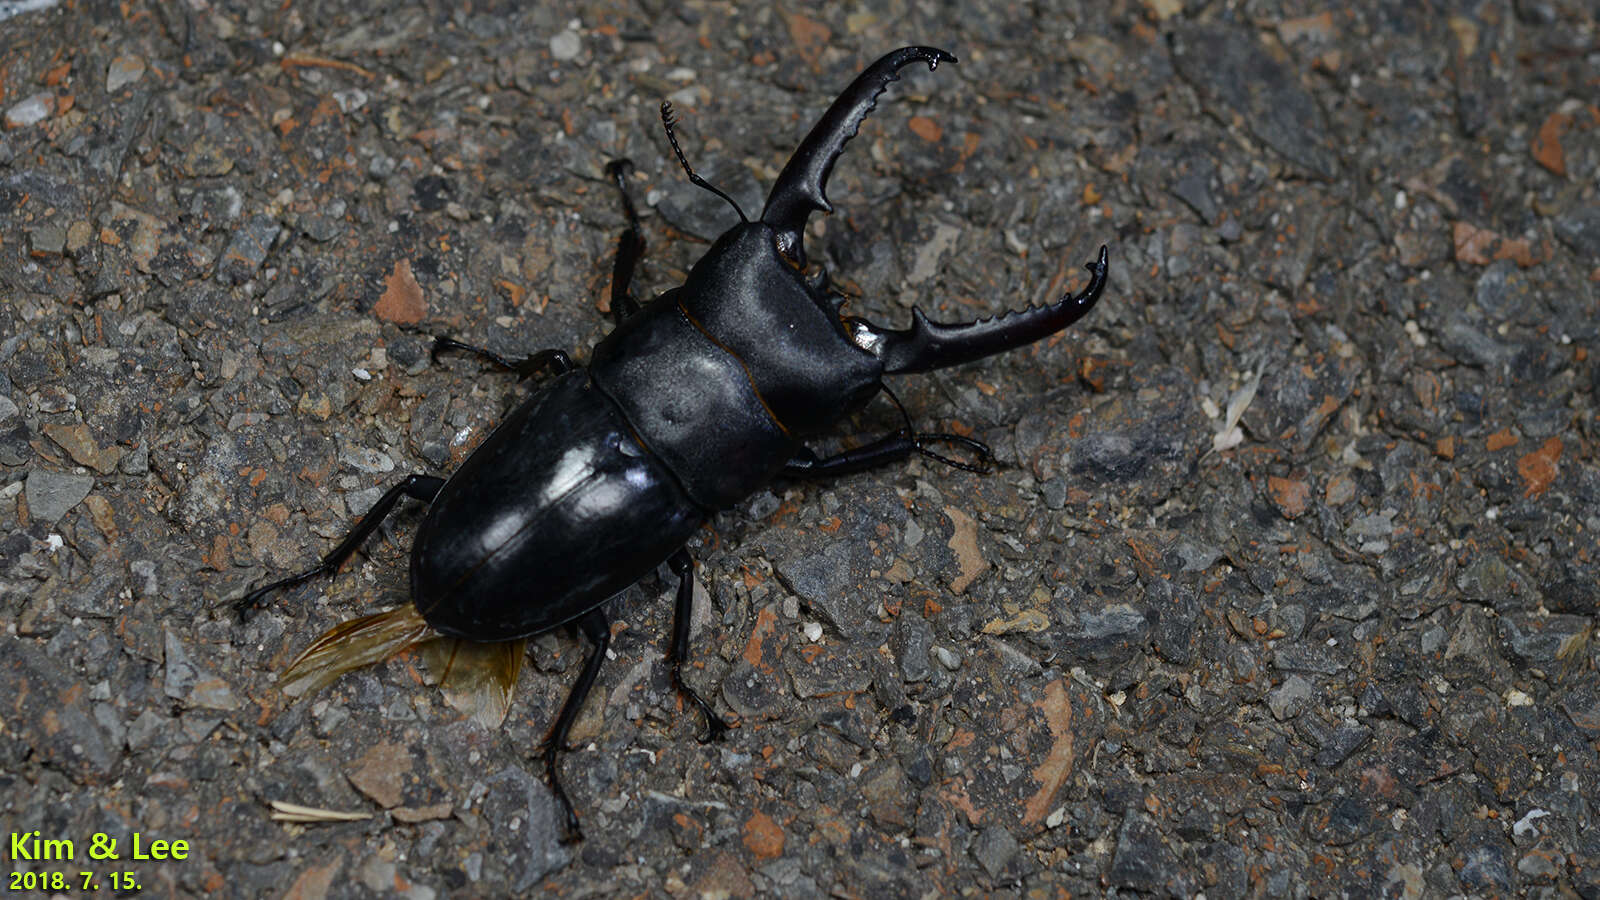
x=52 y=494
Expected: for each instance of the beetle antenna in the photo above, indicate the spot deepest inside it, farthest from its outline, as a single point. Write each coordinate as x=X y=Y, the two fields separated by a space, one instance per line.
x=667 y=122
x=985 y=456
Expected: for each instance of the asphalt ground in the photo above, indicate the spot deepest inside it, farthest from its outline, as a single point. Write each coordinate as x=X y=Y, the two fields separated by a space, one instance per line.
x=1284 y=586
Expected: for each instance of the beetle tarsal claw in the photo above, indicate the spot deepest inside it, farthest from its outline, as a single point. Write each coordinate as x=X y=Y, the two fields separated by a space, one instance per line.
x=985 y=457
x=571 y=830
x=716 y=728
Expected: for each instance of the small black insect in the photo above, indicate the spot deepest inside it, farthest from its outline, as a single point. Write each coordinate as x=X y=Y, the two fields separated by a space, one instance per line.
x=695 y=401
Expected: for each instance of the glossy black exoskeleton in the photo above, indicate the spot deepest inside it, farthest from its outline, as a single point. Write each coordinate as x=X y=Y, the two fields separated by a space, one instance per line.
x=694 y=402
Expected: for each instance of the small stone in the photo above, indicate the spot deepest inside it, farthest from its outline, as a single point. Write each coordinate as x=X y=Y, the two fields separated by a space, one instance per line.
x=1540 y=467
x=144 y=729
x=1143 y=861
x=248 y=249
x=1503 y=292
x=1195 y=190
x=699 y=212
x=1546 y=146
x=79 y=234
x=381 y=167
x=381 y=773
x=359 y=502
x=402 y=302
x=1110 y=633
x=373 y=462
x=204 y=158
x=315 y=879
x=123 y=71
x=81 y=446
x=213 y=693
x=51 y=494
x=1583 y=708
x=1028 y=621
x=566 y=45
x=47 y=240
x=1345 y=740
x=1580 y=230
x=31 y=111
x=55 y=399
x=1485 y=868
x=327 y=223
x=1341 y=821
x=925 y=263
x=763 y=836
x=1237 y=76
x=912 y=639
x=926 y=128
x=1377 y=525
x=181 y=674
x=351 y=100
x=1525 y=826
x=1316 y=658
x=1540 y=865
x=889 y=798
x=1292 y=496
x=1481 y=246
x=216 y=206
x=964 y=541
x=1488 y=578
x=994 y=849
x=377 y=874
x=1290 y=699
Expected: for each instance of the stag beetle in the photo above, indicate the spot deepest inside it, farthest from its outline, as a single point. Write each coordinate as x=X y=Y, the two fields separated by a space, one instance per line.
x=692 y=403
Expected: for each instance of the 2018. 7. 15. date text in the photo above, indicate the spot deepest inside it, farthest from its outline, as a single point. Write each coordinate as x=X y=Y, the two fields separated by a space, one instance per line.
x=40 y=863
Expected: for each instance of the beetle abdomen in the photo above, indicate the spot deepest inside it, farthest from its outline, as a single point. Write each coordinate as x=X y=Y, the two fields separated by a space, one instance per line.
x=693 y=403
x=559 y=509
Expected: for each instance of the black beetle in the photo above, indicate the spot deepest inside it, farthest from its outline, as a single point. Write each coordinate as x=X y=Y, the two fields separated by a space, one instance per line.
x=694 y=402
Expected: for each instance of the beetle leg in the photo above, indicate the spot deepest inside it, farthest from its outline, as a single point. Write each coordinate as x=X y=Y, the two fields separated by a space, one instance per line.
x=890 y=448
x=556 y=362
x=682 y=565
x=419 y=487
x=630 y=247
x=884 y=450
x=594 y=627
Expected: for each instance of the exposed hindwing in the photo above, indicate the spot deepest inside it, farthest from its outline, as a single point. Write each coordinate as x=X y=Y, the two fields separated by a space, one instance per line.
x=476 y=678
x=350 y=645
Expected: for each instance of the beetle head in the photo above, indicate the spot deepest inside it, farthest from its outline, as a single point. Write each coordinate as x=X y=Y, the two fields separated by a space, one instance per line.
x=925 y=345
x=737 y=274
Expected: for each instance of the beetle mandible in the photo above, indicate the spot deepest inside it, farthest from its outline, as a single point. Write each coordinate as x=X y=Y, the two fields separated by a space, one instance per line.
x=693 y=402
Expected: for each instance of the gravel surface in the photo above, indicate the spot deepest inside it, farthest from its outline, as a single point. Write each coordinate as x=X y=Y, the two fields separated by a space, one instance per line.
x=1285 y=587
